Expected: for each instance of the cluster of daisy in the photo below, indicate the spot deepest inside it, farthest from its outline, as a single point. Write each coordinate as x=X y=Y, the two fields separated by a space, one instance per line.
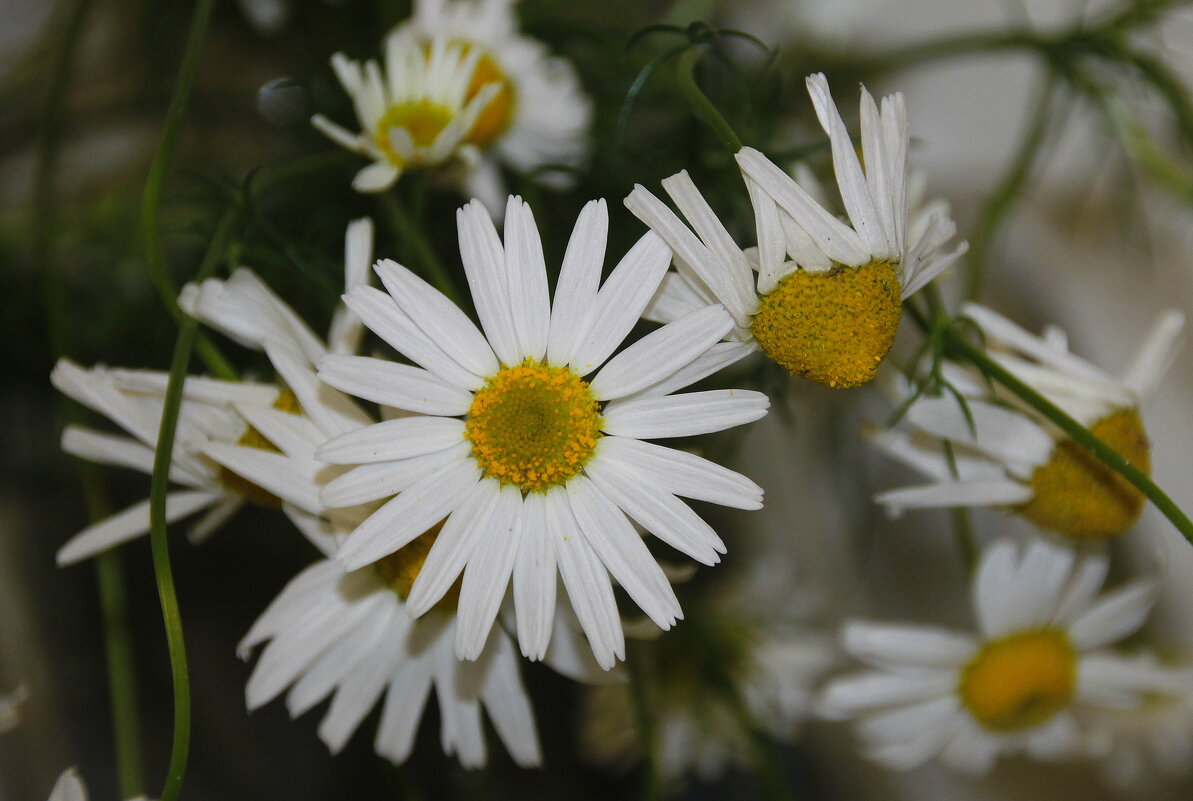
x=487 y=493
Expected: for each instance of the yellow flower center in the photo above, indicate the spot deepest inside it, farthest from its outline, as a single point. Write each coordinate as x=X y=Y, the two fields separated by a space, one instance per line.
x=287 y=401
x=496 y=116
x=422 y=119
x=1020 y=681
x=401 y=568
x=1078 y=495
x=533 y=426
x=832 y=327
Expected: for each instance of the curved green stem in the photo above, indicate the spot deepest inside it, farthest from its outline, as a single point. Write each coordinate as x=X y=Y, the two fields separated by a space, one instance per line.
x=159 y=484
x=702 y=107
x=1077 y=432
x=151 y=198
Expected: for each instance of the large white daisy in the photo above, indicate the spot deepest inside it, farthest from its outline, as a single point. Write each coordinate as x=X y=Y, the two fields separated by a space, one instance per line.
x=829 y=292
x=346 y=634
x=1025 y=682
x=1005 y=455
x=533 y=460
x=463 y=89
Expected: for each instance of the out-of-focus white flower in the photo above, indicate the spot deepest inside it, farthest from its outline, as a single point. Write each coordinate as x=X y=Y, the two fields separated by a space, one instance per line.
x=534 y=466
x=463 y=89
x=10 y=708
x=1026 y=682
x=1153 y=741
x=828 y=296
x=70 y=787
x=1010 y=457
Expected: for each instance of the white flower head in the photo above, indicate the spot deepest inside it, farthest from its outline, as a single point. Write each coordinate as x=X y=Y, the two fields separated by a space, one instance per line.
x=463 y=89
x=1152 y=741
x=529 y=439
x=1026 y=681
x=347 y=635
x=1005 y=455
x=828 y=296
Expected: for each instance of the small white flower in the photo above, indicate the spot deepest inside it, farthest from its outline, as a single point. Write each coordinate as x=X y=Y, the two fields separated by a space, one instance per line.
x=1010 y=457
x=1152 y=741
x=1026 y=682
x=347 y=635
x=829 y=293
x=533 y=465
x=463 y=89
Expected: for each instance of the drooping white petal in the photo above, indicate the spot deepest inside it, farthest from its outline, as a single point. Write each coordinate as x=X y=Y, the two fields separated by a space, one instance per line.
x=1115 y=615
x=508 y=704
x=716 y=358
x=952 y=494
x=1164 y=341
x=535 y=577
x=684 y=415
x=130 y=524
x=682 y=473
x=391 y=384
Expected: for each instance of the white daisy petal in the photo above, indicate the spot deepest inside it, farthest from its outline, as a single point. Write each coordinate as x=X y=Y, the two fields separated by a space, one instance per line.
x=1115 y=615
x=130 y=524
x=881 y=644
x=392 y=384
x=377 y=177
x=488 y=575
x=713 y=360
x=508 y=705
x=579 y=277
x=848 y=695
x=273 y=472
x=681 y=473
x=526 y=272
x=535 y=579
x=1156 y=355
x=402 y=438
x=403 y=709
x=485 y=269
x=660 y=353
x=953 y=494
x=370 y=482
x=684 y=415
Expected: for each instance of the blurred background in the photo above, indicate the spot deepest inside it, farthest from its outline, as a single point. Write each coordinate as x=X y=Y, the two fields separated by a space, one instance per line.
x=1072 y=220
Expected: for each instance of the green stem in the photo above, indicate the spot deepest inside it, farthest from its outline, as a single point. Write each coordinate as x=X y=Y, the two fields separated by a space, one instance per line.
x=995 y=210
x=109 y=573
x=151 y=199
x=159 y=484
x=702 y=107
x=1077 y=432
x=410 y=234
x=652 y=779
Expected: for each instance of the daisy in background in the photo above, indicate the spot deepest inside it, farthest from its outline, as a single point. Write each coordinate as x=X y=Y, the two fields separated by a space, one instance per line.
x=1026 y=682
x=1010 y=457
x=1153 y=741
x=464 y=91
x=531 y=455
x=828 y=297
x=347 y=634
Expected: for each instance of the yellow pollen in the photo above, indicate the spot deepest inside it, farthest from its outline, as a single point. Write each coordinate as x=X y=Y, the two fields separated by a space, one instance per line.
x=496 y=116
x=832 y=327
x=533 y=426
x=1077 y=495
x=422 y=119
x=286 y=401
x=401 y=568
x=1020 y=681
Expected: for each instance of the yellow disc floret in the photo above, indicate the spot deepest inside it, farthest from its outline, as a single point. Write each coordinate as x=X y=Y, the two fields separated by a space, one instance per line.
x=533 y=426
x=496 y=116
x=832 y=327
x=286 y=401
x=422 y=119
x=401 y=568
x=1020 y=681
x=1079 y=496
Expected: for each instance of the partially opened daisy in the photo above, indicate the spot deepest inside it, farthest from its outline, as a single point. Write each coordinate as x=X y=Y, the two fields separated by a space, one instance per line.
x=133 y=399
x=1026 y=681
x=828 y=298
x=463 y=89
x=346 y=634
x=529 y=439
x=1004 y=455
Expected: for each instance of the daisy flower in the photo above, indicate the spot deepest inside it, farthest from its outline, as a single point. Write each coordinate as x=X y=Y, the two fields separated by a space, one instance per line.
x=462 y=88
x=828 y=297
x=1153 y=740
x=532 y=454
x=1012 y=458
x=346 y=634
x=1027 y=681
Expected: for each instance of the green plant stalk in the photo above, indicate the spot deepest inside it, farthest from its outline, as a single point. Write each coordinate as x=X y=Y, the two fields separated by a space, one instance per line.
x=652 y=779
x=702 y=107
x=151 y=198
x=159 y=484
x=1077 y=432
x=409 y=233
x=109 y=571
